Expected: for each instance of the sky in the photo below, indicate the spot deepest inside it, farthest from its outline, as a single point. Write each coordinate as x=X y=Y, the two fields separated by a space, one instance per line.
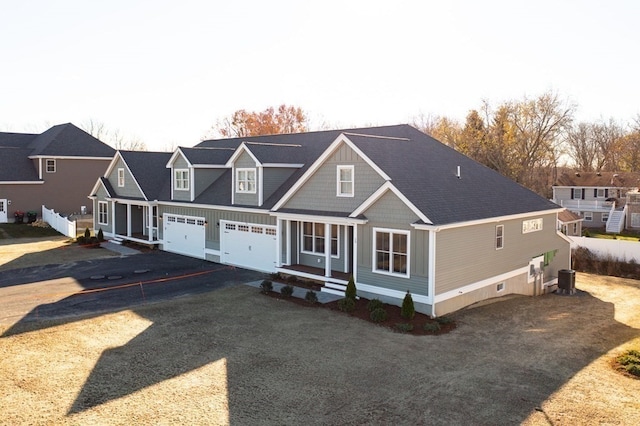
x=165 y=71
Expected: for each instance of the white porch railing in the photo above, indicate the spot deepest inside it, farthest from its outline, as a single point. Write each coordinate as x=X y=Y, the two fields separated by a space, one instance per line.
x=585 y=205
x=59 y=223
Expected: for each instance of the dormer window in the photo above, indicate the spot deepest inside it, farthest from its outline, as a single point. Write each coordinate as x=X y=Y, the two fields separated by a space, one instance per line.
x=345 y=181
x=51 y=166
x=246 y=181
x=181 y=180
x=120 y=178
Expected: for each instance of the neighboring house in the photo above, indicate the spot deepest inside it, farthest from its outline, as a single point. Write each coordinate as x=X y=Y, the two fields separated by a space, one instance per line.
x=56 y=168
x=600 y=198
x=570 y=223
x=390 y=206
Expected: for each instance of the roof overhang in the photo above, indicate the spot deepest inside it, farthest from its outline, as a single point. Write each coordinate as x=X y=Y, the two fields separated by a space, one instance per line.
x=22 y=182
x=68 y=157
x=427 y=227
x=310 y=217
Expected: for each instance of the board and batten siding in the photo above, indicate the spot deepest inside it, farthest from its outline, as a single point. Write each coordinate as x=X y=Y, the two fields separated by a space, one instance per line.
x=466 y=255
x=101 y=195
x=273 y=178
x=390 y=212
x=180 y=195
x=319 y=192
x=244 y=161
x=213 y=218
x=130 y=188
x=203 y=178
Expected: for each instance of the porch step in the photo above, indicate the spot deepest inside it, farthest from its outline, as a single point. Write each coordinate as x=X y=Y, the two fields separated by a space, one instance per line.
x=334 y=288
x=116 y=240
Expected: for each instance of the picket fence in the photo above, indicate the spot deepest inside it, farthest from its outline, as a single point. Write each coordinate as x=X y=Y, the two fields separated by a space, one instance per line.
x=617 y=249
x=59 y=223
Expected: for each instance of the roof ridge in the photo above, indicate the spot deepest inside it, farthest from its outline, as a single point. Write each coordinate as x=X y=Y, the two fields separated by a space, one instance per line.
x=292 y=145
x=376 y=136
x=221 y=148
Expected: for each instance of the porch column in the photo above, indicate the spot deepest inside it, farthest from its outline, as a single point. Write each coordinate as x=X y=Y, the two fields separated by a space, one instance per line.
x=150 y=219
x=345 y=256
x=278 y=242
x=113 y=218
x=287 y=233
x=327 y=250
x=431 y=271
x=355 y=253
x=128 y=220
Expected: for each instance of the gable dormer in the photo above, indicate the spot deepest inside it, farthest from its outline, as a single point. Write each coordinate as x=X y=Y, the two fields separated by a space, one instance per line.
x=181 y=177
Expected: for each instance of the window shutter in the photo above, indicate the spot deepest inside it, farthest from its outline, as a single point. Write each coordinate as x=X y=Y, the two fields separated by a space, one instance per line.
x=583 y=191
x=572 y=189
x=595 y=192
x=606 y=193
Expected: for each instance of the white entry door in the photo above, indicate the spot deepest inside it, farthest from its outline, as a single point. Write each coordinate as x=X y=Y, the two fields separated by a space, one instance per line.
x=184 y=235
x=248 y=245
x=3 y=211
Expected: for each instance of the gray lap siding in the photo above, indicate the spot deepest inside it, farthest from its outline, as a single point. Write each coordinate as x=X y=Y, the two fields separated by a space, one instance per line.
x=241 y=198
x=179 y=194
x=467 y=255
x=389 y=212
x=130 y=189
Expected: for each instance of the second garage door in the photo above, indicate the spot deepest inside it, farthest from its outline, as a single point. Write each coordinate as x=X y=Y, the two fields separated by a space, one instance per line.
x=248 y=245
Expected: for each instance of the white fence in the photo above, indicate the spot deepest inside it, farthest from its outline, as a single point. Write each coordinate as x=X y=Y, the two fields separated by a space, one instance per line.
x=59 y=223
x=618 y=249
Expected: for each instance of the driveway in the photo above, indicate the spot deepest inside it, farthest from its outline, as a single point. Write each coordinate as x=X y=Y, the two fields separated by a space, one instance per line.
x=108 y=283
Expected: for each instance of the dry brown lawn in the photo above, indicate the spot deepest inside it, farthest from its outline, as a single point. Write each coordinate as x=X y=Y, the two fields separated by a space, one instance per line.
x=237 y=357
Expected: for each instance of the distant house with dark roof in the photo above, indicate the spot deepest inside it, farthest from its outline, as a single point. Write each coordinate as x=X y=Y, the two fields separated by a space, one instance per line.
x=600 y=198
x=55 y=168
x=390 y=206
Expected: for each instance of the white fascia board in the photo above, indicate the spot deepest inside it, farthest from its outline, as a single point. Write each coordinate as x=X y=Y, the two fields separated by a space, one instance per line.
x=97 y=185
x=388 y=186
x=306 y=217
x=177 y=153
x=214 y=207
x=283 y=165
x=320 y=161
x=479 y=284
x=483 y=221
x=113 y=163
x=210 y=166
x=112 y=166
x=69 y=157
x=243 y=147
x=22 y=182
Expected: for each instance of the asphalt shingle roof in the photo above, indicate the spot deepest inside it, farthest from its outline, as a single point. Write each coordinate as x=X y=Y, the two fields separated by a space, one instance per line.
x=149 y=170
x=599 y=179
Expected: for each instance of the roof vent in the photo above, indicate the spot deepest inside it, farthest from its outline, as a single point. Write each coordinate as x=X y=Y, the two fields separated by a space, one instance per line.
x=458 y=173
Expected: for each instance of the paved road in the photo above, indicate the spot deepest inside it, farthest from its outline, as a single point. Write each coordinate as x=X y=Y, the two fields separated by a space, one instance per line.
x=105 y=285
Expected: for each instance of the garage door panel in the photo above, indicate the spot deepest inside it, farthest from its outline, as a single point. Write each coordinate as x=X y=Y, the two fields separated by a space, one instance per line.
x=252 y=246
x=184 y=235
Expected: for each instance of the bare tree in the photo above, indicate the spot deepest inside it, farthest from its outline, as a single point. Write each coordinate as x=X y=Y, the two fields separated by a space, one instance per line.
x=582 y=147
x=113 y=137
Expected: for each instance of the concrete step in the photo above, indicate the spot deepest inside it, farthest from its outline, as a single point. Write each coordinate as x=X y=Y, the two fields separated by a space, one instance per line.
x=329 y=290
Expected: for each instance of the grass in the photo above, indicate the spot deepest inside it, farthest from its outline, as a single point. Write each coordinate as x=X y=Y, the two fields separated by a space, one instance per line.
x=14 y=230
x=626 y=236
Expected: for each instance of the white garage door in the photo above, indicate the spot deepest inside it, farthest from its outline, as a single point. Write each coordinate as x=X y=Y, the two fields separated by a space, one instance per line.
x=249 y=245
x=184 y=235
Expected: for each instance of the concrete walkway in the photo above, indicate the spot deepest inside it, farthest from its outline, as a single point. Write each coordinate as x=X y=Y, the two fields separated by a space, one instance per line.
x=119 y=248
x=299 y=292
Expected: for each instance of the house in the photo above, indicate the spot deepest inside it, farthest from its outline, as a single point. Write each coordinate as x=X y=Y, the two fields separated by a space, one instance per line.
x=390 y=206
x=56 y=168
x=600 y=198
x=570 y=223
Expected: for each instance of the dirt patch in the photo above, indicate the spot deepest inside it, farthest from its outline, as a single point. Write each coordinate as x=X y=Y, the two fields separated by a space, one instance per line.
x=234 y=356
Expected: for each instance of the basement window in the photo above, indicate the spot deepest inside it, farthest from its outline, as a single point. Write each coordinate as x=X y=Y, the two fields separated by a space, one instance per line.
x=500 y=287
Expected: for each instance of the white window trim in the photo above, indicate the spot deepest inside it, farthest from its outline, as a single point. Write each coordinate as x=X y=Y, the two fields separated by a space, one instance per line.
x=46 y=165
x=532 y=225
x=339 y=192
x=120 y=177
x=106 y=212
x=182 y=179
x=605 y=217
x=588 y=216
x=501 y=246
x=375 y=249
x=313 y=236
x=237 y=182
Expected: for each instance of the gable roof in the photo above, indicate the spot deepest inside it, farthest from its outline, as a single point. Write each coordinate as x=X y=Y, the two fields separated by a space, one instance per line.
x=567 y=216
x=599 y=179
x=149 y=171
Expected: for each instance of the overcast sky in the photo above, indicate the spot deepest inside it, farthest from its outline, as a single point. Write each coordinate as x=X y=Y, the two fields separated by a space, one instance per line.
x=165 y=71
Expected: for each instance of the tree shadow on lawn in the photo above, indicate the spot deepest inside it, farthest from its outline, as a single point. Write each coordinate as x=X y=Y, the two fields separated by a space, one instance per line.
x=502 y=362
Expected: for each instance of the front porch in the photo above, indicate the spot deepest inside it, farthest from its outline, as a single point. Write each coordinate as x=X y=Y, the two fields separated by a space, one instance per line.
x=135 y=221
x=336 y=283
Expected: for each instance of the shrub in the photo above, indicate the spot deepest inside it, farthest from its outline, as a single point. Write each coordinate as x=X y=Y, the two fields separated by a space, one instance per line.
x=87 y=234
x=374 y=304
x=350 y=292
x=287 y=290
x=311 y=297
x=404 y=327
x=346 y=304
x=266 y=286
x=630 y=360
x=444 y=320
x=378 y=315
x=431 y=327
x=408 y=310
x=100 y=235
x=81 y=240
x=586 y=233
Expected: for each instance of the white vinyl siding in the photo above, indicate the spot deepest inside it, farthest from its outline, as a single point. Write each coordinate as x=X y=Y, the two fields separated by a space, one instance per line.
x=246 y=181
x=181 y=180
x=391 y=252
x=345 y=180
x=103 y=213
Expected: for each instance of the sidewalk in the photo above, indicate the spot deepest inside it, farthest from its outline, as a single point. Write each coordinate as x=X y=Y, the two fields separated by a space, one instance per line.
x=119 y=248
x=299 y=292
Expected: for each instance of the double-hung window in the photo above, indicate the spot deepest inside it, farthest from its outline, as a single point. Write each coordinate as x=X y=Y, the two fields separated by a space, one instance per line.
x=120 y=178
x=103 y=213
x=313 y=238
x=181 y=179
x=499 y=237
x=345 y=181
x=391 y=252
x=246 y=181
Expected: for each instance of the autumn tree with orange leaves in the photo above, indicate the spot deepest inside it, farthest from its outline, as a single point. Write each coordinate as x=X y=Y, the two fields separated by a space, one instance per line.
x=243 y=123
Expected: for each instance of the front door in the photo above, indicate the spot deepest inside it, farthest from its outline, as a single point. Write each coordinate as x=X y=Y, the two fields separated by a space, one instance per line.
x=3 y=211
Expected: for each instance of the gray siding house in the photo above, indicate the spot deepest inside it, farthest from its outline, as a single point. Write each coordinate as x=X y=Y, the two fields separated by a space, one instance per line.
x=390 y=206
x=56 y=169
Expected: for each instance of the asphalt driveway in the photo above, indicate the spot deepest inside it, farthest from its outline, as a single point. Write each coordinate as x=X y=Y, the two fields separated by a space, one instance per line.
x=109 y=284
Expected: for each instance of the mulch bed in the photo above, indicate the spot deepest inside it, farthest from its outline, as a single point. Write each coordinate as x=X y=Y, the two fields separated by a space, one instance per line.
x=362 y=312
